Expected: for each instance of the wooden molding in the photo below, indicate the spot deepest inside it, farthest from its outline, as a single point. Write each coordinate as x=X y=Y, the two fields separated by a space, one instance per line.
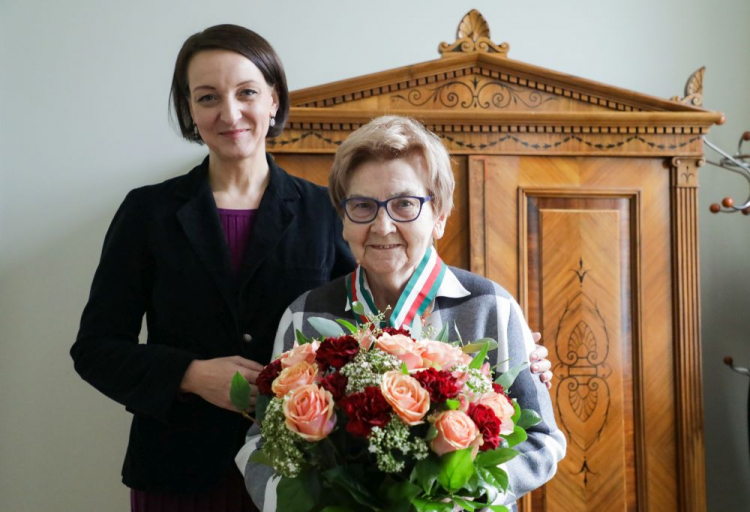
x=687 y=344
x=477 y=178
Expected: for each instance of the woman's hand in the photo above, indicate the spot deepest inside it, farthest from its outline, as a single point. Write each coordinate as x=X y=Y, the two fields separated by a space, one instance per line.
x=539 y=362
x=211 y=379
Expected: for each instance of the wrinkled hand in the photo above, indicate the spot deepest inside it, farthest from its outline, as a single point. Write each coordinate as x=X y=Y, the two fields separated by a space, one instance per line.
x=539 y=362
x=211 y=379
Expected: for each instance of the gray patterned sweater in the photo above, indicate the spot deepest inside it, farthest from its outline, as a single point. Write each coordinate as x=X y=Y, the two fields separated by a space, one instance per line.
x=478 y=308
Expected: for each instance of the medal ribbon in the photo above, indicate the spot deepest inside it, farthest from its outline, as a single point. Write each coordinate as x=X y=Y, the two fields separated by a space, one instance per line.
x=419 y=293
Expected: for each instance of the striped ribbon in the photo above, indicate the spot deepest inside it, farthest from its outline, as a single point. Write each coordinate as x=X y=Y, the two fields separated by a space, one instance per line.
x=419 y=293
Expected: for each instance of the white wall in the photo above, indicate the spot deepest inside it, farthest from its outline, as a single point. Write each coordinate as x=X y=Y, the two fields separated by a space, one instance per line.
x=83 y=119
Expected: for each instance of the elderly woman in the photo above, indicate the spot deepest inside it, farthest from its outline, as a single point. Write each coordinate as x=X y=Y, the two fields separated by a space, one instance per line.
x=392 y=184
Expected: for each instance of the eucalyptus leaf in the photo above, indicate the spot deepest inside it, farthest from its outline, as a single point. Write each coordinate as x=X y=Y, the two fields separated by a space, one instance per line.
x=301 y=338
x=477 y=345
x=529 y=418
x=239 y=392
x=327 y=328
x=443 y=334
x=478 y=360
x=507 y=379
x=358 y=308
x=416 y=328
x=456 y=468
x=517 y=437
x=349 y=326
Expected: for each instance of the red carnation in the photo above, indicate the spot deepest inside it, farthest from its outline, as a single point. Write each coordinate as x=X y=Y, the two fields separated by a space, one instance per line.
x=441 y=385
x=336 y=352
x=267 y=376
x=394 y=331
x=336 y=384
x=487 y=423
x=366 y=410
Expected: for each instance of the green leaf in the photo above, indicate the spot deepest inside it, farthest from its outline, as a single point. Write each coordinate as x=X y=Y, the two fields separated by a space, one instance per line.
x=466 y=504
x=299 y=494
x=358 y=308
x=239 y=392
x=341 y=477
x=499 y=508
x=455 y=327
x=301 y=338
x=493 y=458
x=478 y=360
x=489 y=484
x=500 y=476
x=260 y=457
x=425 y=473
x=507 y=379
x=443 y=334
x=517 y=437
x=452 y=404
x=428 y=505
x=327 y=328
x=261 y=404
x=455 y=469
x=516 y=412
x=477 y=345
x=349 y=326
x=404 y=369
x=337 y=508
x=529 y=418
x=431 y=433
x=400 y=496
x=416 y=328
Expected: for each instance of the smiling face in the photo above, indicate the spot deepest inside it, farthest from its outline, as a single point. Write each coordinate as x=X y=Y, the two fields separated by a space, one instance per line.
x=390 y=251
x=230 y=103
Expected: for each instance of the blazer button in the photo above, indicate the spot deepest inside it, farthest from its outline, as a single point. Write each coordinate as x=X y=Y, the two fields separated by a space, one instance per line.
x=247 y=338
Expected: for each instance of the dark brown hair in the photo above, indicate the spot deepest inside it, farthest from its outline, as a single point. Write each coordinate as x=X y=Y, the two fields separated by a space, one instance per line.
x=235 y=39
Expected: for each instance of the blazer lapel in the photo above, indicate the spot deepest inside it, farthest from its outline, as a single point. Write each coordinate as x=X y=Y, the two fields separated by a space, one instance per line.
x=275 y=215
x=200 y=221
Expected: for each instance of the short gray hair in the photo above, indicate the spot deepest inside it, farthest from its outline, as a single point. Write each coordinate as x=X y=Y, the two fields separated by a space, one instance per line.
x=388 y=138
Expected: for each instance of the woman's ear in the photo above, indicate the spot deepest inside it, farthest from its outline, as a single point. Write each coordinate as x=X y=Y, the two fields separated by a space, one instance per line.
x=439 y=229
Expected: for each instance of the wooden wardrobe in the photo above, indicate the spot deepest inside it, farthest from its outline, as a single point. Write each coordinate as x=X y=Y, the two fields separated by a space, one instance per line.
x=581 y=200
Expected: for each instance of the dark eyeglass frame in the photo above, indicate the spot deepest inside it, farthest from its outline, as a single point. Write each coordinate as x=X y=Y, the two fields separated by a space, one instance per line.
x=384 y=204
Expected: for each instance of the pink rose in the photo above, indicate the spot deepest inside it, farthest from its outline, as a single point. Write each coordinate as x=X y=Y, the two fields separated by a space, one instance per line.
x=308 y=411
x=301 y=374
x=441 y=356
x=299 y=353
x=402 y=347
x=408 y=398
x=502 y=408
x=456 y=431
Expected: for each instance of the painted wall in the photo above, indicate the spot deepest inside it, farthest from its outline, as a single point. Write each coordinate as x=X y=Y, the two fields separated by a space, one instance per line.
x=83 y=119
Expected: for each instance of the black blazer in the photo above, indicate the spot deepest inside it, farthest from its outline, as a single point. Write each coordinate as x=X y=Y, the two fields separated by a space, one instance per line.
x=166 y=255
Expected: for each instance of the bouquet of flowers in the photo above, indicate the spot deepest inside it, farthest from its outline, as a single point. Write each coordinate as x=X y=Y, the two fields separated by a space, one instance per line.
x=382 y=419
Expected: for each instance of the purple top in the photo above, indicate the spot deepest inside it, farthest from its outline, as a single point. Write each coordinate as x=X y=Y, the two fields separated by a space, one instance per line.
x=237 y=226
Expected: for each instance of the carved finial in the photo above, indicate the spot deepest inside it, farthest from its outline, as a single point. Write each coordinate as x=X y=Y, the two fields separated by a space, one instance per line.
x=473 y=35
x=693 y=89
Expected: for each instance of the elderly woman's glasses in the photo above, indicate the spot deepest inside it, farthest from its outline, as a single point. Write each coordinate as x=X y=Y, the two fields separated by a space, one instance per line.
x=362 y=210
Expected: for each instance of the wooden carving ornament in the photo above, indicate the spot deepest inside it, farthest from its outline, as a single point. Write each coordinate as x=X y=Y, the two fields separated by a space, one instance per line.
x=473 y=35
